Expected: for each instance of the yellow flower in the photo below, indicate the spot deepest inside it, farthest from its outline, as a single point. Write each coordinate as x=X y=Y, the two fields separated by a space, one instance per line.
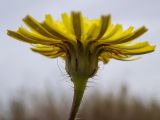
x=82 y=42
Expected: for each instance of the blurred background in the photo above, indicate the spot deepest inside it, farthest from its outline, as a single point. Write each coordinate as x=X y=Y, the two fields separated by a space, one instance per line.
x=23 y=73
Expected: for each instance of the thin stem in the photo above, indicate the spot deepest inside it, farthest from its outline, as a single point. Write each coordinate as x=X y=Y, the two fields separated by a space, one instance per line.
x=79 y=88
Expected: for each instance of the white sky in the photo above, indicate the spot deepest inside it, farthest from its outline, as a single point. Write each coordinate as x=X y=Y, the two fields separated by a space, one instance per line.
x=19 y=67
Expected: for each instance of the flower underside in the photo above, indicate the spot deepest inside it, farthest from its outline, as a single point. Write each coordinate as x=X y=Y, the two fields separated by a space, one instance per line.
x=76 y=38
x=81 y=42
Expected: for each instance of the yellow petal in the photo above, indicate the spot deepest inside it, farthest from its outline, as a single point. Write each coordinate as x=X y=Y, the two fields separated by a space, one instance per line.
x=77 y=24
x=140 y=51
x=67 y=22
x=126 y=37
x=36 y=26
x=131 y=37
x=104 y=58
x=120 y=35
x=115 y=31
x=51 y=52
x=49 y=19
x=37 y=37
x=56 y=29
x=105 y=22
x=120 y=57
x=131 y=47
x=124 y=59
x=42 y=48
x=23 y=38
x=92 y=32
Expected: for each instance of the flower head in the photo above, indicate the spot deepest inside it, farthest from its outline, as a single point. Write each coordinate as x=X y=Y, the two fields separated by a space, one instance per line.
x=81 y=42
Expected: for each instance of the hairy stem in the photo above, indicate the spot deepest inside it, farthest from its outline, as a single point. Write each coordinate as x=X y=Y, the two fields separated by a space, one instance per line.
x=79 y=88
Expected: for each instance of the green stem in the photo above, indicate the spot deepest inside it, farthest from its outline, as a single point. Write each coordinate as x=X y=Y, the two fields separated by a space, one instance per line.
x=79 y=88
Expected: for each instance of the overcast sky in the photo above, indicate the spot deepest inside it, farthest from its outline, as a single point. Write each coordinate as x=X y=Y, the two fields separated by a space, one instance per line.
x=19 y=67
